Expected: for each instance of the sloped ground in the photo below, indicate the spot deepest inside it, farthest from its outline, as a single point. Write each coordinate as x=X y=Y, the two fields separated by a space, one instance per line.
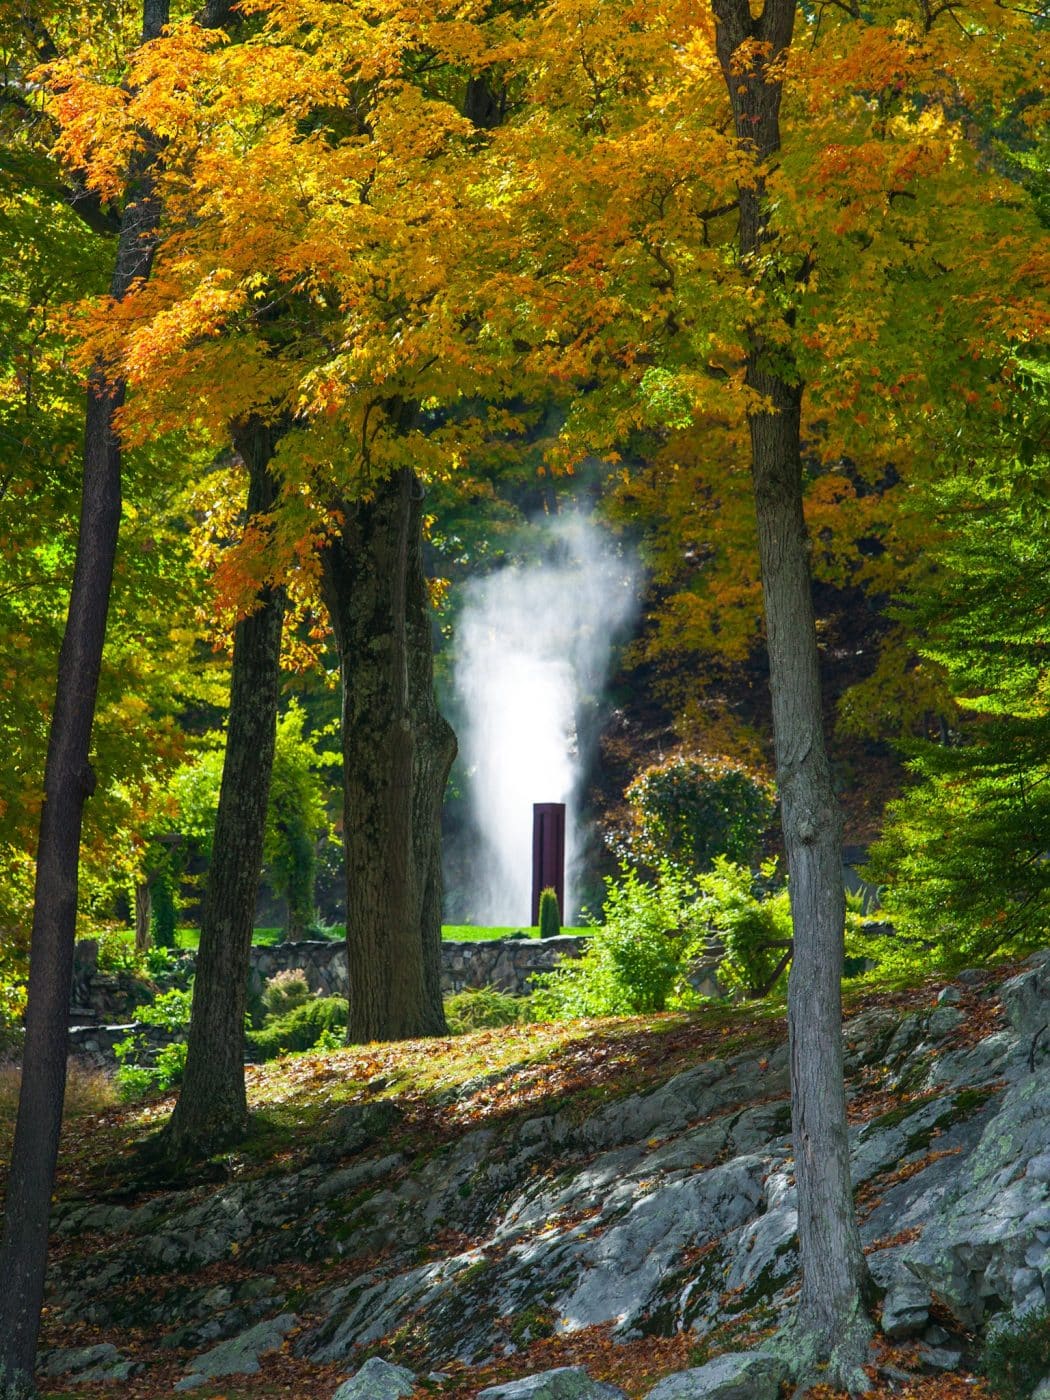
x=613 y=1194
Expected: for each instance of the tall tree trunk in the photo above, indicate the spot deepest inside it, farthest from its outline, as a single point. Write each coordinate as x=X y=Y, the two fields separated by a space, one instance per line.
x=212 y=1108
x=397 y=753
x=68 y=781
x=833 y=1324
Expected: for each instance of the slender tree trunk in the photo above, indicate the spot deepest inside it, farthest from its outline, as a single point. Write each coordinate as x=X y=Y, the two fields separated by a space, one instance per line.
x=212 y=1108
x=143 y=914
x=68 y=781
x=833 y=1324
x=397 y=753
x=835 y=1278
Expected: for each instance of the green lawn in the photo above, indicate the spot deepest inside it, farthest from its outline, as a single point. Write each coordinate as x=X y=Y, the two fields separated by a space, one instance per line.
x=188 y=936
x=475 y=932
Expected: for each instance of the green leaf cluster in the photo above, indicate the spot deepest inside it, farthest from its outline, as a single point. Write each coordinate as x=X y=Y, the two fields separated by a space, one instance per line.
x=632 y=962
x=135 y=1079
x=296 y=820
x=751 y=916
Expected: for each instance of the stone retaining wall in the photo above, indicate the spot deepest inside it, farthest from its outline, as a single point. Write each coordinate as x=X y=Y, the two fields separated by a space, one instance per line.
x=506 y=963
x=97 y=1044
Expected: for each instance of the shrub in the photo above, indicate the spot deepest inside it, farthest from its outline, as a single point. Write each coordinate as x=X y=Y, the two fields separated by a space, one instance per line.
x=117 y=953
x=170 y=1009
x=752 y=918
x=285 y=991
x=694 y=807
x=299 y=1029
x=1016 y=1354
x=134 y=1079
x=633 y=961
x=479 y=1008
x=550 y=915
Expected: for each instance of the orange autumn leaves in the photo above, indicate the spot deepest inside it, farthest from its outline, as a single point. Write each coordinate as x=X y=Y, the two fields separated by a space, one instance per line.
x=341 y=238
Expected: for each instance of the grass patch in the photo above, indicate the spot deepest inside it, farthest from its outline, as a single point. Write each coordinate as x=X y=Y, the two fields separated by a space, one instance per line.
x=442 y=1085
x=477 y=933
x=88 y=1091
x=188 y=936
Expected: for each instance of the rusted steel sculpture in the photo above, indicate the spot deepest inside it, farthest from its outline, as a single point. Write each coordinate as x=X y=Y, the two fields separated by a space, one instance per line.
x=548 y=854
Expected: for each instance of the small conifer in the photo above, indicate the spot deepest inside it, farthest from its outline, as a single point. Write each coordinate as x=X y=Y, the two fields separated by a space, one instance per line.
x=550 y=915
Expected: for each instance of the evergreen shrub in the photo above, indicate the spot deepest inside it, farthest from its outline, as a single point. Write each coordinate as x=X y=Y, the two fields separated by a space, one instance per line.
x=480 y=1008
x=550 y=915
x=1016 y=1354
x=299 y=1029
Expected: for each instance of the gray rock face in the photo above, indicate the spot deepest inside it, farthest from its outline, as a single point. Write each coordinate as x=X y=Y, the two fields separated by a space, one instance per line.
x=752 y=1375
x=563 y=1383
x=906 y=1306
x=377 y=1380
x=1027 y=996
x=240 y=1355
x=617 y=1274
x=990 y=1238
x=97 y=1363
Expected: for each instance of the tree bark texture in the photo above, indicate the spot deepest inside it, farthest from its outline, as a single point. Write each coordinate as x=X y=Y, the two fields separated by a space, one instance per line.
x=835 y=1283
x=397 y=753
x=212 y=1108
x=68 y=781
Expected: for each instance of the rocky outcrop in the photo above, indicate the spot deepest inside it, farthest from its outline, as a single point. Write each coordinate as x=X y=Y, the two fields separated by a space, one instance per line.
x=240 y=1355
x=754 y=1375
x=669 y=1208
x=563 y=1383
x=377 y=1380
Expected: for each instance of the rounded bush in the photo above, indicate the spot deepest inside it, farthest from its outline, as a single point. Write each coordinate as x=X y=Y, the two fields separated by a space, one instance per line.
x=694 y=807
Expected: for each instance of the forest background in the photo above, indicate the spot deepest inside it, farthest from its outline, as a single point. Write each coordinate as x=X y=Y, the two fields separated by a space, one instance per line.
x=338 y=243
